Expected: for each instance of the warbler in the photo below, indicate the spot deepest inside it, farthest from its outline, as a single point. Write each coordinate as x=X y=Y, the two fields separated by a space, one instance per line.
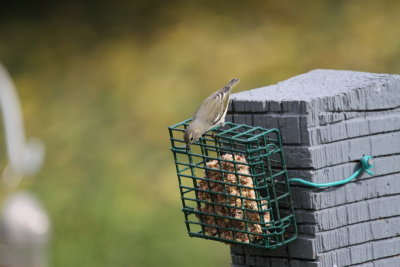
x=209 y=114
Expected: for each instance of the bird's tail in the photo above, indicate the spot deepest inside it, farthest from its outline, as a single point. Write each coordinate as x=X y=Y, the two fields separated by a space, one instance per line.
x=231 y=84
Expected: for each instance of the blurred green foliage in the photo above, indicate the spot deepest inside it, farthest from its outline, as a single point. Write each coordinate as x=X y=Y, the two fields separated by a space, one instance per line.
x=100 y=81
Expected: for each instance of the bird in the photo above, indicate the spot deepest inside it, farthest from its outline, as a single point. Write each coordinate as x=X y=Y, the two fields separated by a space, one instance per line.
x=209 y=114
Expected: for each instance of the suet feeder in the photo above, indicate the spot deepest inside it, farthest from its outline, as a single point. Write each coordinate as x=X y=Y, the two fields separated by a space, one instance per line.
x=234 y=185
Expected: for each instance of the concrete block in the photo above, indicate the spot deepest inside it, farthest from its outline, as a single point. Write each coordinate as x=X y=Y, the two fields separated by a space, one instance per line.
x=377 y=209
x=359 y=212
x=290 y=129
x=272 y=121
x=362 y=253
x=315 y=108
x=238 y=259
x=249 y=105
x=385 y=144
x=252 y=251
x=296 y=128
x=340 y=257
x=330 y=240
x=288 y=125
x=299 y=263
x=359 y=253
x=303 y=248
x=384 y=207
x=340 y=90
x=386 y=248
x=305 y=107
x=334 y=154
x=385 y=228
x=333 y=132
x=329 y=119
x=384 y=94
x=292 y=106
x=317 y=156
x=230 y=107
x=275 y=106
x=298 y=157
x=359 y=147
x=262 y=261
x=357 y=233
x=258 y=106
x=281 y=252
x=356 y=128
x=357 y=99
x=278 y=252
x=237 y=106
x=309 y=137
x=389 y=164
x=360 y=233
x=244 y=250
x=250 y=259
x=307 y=228
x=243 y=119
x=335 y=217
x=236 y=249
x=362 y=189
x=388 y=262
x=353 y=114
x=229 y=118
x=331 y=127
x=304 y=216
x=323 y=175
x=369 y=264
x=338 y=102
x=382 y=165
x=325 y=118
x=379 y=112
x=384 y=123
x=279 y=263
x=260 y=121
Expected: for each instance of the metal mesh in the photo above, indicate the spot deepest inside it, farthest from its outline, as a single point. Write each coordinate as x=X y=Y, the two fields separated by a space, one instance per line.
x=234 y=186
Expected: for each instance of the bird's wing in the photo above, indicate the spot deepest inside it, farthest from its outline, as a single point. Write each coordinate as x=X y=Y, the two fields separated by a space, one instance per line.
x=213 y=107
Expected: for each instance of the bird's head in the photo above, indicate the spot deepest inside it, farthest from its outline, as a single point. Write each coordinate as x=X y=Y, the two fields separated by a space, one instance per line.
x=192 y=134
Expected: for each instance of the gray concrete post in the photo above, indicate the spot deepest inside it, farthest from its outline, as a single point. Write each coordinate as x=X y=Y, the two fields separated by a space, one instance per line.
x=329 y=119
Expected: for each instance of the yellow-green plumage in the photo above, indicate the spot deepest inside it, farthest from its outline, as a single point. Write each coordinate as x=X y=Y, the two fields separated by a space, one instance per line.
x=210 y=113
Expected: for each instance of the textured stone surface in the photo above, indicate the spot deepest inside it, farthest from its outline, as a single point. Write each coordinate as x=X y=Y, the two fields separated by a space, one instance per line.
x=384 y=252
x=331 y=218
x=328 y=120
x=359 y=190
x=335 y=90
x=321 y=156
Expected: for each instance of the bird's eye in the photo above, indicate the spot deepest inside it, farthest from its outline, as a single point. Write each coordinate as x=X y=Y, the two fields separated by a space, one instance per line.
x=191 y=139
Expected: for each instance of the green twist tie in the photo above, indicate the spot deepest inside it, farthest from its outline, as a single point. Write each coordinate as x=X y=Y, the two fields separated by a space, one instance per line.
x=366 y=165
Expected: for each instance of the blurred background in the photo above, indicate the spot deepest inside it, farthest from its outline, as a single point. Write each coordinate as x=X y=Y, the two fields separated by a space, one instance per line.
x=100 y=81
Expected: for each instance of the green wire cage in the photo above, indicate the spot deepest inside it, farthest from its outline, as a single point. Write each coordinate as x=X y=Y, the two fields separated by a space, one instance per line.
x=234 y=185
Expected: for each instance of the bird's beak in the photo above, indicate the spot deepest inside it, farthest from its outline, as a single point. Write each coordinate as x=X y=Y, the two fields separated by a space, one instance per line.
x=187 y=148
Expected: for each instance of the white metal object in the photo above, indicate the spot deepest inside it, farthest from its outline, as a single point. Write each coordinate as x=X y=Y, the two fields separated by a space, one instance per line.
x=24 y=223
x=24 y=231
x=25 y=157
